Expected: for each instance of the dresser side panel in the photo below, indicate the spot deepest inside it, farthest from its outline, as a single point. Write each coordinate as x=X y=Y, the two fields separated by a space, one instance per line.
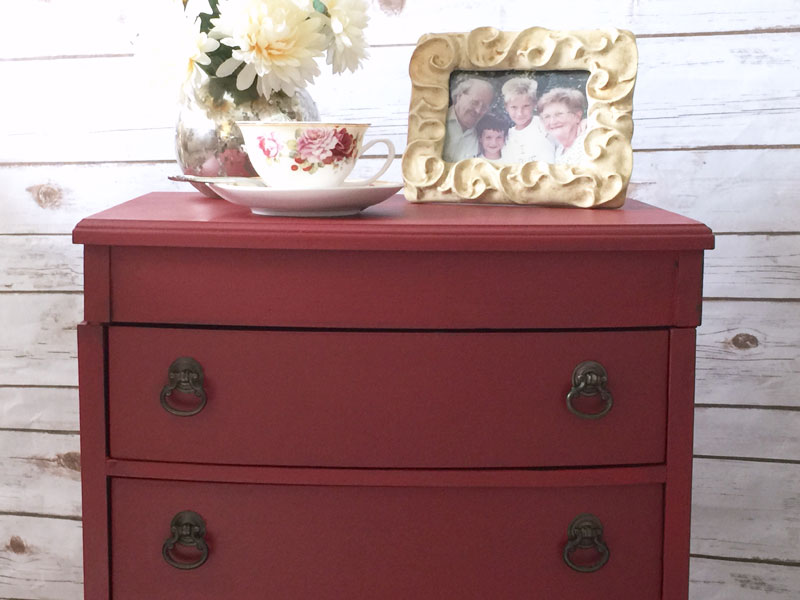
x=96 y=284
x=91 y=373
x=678 y=489
x=689 y=289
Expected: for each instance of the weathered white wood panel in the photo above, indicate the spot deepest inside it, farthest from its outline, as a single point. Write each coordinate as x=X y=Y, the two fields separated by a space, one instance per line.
x=640 y=16
x=53 y=198
x=43 y=409
x=41 y=473
x=38 y=345
x=122 y=21
x=40 y=263
x=753 y=266
x=747 y=433
x=733 y=580
x=40 y=558
x=748 y=510
x=729 y=190
x=749 y=93
x=747 y=353
x=701 y=184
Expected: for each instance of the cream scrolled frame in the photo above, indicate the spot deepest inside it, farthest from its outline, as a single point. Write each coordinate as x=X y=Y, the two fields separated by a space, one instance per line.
x=610 y=57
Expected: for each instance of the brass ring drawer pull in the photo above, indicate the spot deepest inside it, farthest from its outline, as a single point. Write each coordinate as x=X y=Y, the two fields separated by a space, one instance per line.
x=590 y=379
x=185 y=375
x=586 y=533
x=187 y=529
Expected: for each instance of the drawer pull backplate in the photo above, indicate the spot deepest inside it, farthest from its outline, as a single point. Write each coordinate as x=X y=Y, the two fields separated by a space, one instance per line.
x=586 y=533
x=185 y=375
x=590 y=379
x=187 y=529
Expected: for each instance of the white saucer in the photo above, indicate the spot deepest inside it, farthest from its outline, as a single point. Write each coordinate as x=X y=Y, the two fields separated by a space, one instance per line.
x=340 y=201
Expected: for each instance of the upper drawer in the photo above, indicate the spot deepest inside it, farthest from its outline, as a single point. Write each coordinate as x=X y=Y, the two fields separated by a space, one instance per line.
x=394 y=290
x=386 y=399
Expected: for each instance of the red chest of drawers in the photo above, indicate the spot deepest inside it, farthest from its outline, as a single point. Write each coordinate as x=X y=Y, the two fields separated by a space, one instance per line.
x=425 y=401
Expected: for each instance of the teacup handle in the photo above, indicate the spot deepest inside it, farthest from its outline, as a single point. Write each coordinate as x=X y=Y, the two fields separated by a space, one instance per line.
x=382 y=170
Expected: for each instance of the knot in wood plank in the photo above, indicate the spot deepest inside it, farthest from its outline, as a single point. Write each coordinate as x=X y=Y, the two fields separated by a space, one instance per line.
x=16 y=545
x=744 y=341
x=46 y=195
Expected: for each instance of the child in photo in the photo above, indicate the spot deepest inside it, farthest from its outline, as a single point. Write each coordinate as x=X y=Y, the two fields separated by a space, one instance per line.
x=527 y=140
x=492 y=132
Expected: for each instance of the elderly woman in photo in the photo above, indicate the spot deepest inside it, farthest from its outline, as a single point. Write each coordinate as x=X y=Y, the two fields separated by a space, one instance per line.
x=527 y=140
x=562 y=111
x=471 y=100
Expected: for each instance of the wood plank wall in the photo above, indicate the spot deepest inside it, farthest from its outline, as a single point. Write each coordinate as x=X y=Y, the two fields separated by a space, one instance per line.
x=717 y=138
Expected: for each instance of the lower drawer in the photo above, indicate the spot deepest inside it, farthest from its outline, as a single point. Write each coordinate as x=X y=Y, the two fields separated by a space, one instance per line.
x=352 y=542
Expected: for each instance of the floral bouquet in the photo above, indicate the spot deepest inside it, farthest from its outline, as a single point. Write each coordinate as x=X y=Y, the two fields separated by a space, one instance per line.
x=251 y=60
x=252 y=48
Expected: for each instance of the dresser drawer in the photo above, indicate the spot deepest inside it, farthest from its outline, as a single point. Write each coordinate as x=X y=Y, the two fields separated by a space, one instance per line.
x=346 y=542
x=386 y=399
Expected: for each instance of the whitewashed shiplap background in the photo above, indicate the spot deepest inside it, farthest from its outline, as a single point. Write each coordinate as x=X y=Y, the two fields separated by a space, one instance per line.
x=717 y=138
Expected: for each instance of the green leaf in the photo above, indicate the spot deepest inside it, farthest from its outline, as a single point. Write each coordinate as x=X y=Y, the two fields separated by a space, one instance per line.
x=320 y=7
x=242 y=96
x=216 y=89
x=205 y=18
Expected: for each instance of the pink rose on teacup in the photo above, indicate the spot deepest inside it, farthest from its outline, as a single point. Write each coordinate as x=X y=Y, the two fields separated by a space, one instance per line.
x=269 y=145
x=315 y=145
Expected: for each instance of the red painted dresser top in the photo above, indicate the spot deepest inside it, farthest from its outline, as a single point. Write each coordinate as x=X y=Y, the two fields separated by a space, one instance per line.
x=189 y=219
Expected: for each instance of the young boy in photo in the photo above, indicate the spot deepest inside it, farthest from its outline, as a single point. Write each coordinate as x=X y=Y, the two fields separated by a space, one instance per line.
x=492 y=132
x=527 y=140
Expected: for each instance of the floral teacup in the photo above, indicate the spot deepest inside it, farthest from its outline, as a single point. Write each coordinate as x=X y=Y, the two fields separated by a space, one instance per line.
x=297 y=155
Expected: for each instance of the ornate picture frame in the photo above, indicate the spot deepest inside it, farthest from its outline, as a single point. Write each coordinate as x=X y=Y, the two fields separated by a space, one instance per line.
x=599 y=178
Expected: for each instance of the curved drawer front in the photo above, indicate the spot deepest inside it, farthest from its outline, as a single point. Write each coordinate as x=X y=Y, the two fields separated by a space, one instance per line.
x=345 y=542
x=387 y=399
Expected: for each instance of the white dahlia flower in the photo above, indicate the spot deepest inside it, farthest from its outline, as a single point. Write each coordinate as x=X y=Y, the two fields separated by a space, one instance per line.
x=348 y=19
x=277 y=41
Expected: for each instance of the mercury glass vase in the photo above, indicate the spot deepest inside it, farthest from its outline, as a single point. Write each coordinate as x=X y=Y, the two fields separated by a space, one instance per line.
x=208 y=142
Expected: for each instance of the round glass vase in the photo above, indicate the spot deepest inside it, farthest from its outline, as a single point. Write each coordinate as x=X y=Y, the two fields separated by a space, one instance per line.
x=208 y=142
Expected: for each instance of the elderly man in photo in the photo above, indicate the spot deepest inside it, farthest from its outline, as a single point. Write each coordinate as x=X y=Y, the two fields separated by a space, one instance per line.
x=471 y=100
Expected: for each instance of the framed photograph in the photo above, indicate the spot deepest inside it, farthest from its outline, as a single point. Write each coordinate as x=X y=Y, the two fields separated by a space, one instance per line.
x=536 y=117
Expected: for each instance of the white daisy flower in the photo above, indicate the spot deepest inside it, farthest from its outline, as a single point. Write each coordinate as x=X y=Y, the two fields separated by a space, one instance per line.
x=348 y=19
x=277 y=41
